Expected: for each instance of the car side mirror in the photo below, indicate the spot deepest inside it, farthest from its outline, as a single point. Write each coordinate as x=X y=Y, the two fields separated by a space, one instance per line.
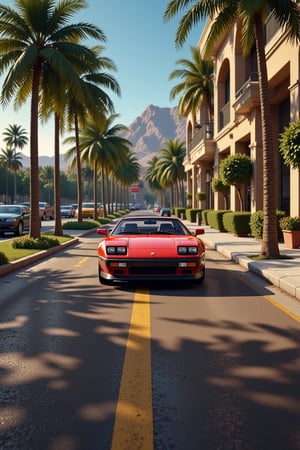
x=102 y=232
x=199 y=231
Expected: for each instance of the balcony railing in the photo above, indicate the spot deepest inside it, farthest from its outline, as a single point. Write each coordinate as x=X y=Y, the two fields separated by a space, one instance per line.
x=204 y=131
x=247 y=97
x=252 y=77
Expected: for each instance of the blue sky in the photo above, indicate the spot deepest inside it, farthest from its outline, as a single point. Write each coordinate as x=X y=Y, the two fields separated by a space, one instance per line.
x=142 y=47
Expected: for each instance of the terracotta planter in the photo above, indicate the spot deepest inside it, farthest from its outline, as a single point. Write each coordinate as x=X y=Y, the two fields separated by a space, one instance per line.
x=291 y=238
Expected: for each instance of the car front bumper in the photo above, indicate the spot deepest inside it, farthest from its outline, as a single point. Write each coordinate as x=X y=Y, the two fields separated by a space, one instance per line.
x=149 y=269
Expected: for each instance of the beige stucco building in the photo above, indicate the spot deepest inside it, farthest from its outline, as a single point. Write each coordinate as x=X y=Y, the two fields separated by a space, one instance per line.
x=236 y=127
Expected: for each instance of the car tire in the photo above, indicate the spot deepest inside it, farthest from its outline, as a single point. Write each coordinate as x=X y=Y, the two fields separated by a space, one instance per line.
x=200 y=280
x=19 y=230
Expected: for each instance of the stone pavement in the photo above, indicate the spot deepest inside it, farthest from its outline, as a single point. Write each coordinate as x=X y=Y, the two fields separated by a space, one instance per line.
x=283 y=273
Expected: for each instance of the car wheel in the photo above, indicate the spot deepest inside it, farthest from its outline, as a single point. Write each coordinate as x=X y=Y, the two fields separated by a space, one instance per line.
x=102 y=280
x=200 y=280
x=19 y=230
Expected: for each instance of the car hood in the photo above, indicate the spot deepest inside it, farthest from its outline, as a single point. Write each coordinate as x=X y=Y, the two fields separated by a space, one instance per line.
x=8 y=216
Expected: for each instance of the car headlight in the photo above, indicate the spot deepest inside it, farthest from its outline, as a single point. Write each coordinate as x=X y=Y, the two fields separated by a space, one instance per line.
x=187 y=250
x=116 y=250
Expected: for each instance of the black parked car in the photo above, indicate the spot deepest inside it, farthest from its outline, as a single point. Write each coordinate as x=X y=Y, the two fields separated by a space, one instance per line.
x=14 y=219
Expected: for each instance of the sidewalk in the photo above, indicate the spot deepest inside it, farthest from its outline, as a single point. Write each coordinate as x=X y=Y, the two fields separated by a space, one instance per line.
x=283 y=273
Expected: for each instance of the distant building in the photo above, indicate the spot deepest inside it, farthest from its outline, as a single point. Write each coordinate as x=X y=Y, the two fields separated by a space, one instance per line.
x=237 y=127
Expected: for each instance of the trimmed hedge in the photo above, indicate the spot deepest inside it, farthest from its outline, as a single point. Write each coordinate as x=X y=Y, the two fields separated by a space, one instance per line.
x=237 y=223
x=215 y=219
x=204 y=215
x=41 y=243
x=179 y=211
x=3 y=259
x=257 y=222
x=191 y=214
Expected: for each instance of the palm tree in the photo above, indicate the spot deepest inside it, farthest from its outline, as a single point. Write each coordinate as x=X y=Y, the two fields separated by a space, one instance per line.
x=153 y=178
x=196 y=85
x=15 y=137
x=36 y=37
x=100 y=144
x=47 y=178
x=252 y=16
x=96 y=103
x=170 y=167
x=11 y=162
x=127 y=173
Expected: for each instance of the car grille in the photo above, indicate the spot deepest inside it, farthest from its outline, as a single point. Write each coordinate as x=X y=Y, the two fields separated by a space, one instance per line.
x=152 y=268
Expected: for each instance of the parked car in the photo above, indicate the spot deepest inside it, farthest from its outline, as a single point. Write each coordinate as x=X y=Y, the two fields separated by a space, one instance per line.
x=25 y=204
x=156 y=208
x=150 y=248
x=67 y=211
x=165 y=212
x=14 y=219
x=88 y=210
x=46 y=211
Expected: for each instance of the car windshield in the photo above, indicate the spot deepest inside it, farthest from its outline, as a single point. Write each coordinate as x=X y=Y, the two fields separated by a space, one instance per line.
x=150 y=226
x=7 y=209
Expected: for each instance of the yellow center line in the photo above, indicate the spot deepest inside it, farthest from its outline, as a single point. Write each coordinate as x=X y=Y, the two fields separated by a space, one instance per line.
x=133 y=428
x=81 y=262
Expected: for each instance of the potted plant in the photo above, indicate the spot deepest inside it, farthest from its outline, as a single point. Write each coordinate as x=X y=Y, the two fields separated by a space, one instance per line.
x=291 y=231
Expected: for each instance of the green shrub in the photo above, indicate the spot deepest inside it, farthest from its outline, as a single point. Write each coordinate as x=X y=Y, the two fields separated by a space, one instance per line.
x=84 y=225
x=215 y=219
x=237 y=222
x=191 y=214
x=103 y=221
x=3 y=259
x=204 y=215
x=179 y=211
x=257 y=222
x=41 y=243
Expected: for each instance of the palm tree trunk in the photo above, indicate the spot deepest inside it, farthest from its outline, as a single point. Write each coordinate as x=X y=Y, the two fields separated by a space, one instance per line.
x=270 y=235
x=103 y=191
x=79 y=174
x=35 y=227
x=58 y=231
x=95 y=190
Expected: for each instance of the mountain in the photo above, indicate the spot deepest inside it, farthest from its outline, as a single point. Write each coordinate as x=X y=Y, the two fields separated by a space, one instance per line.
x=147 y=134
x=153 y=127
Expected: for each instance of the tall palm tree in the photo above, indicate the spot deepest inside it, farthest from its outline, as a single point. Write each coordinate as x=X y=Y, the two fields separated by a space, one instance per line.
x=127 y=173
x=97 y=103
x=100 y=144
x=15 y=138
x=252 y=15
x=47 y=178
x=196 y=86
x=11 y=161
x=153 y=179
x=170 y=167
x=37 y=36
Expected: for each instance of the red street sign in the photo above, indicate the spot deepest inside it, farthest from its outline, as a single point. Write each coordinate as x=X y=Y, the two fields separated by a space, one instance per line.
x=135 y=189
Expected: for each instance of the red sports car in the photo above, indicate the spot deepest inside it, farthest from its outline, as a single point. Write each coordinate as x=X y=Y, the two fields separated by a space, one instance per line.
x=150 y=248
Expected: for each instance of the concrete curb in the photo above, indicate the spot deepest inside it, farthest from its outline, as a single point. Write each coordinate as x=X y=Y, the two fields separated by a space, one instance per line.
x=284 y=274
x=26 y=261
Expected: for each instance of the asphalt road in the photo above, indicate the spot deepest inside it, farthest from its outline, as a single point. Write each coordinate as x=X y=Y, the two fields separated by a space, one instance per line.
x=150 y=366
